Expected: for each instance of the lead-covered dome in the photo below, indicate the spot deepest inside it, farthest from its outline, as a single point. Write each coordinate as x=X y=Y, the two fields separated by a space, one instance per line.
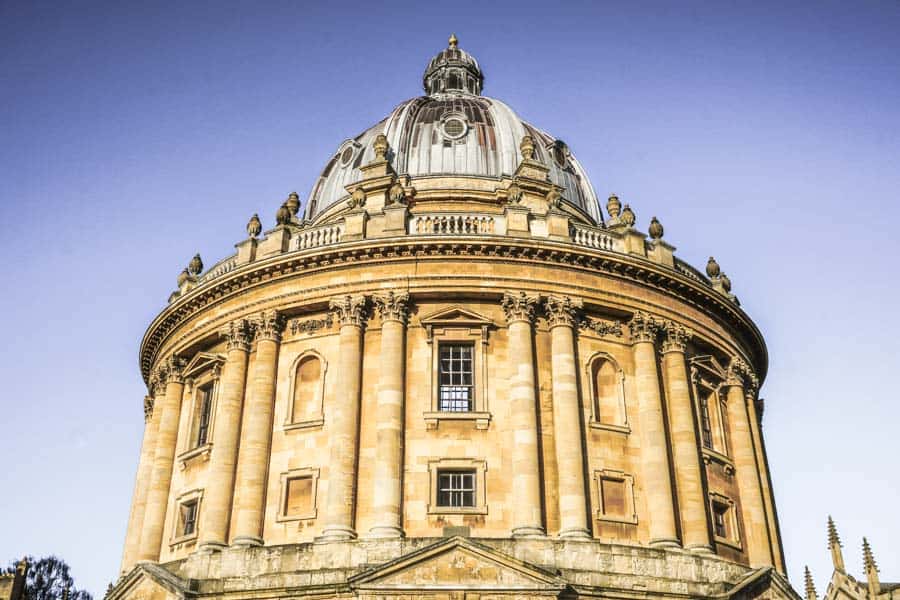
x=453 y=131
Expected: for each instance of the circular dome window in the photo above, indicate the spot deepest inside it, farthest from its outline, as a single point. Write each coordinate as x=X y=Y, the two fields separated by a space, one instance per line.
x=347 y=155
x=560 y=154
x=454 y=128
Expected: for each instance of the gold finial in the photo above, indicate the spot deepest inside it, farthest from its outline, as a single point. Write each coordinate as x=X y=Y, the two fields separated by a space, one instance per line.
x=453 y=40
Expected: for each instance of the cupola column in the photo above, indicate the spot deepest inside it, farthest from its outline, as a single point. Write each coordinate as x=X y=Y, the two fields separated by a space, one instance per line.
x=747 y=472
x=387 y=491
x=526 y=489
x=169 y=375
x=215 y=508
x=563 y=314
x=654 y=451
x=350 y=312
x=141 y=485
x=685 y=449
x=256 y=434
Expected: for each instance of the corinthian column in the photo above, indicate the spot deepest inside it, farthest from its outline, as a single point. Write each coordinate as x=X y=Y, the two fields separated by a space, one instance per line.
x=526 y=489
x=256 y=431
x=387 y=492
x=654 y=451
x=215 y=509
x=685 y=450
x=169 y=375
x=350 y=312
x=141 y=484
x=747 y=472
x=563 y=312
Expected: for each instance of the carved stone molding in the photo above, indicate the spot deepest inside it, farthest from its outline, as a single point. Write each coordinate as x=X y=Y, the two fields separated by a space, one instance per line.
x=148 y=408
x=563 y=311
x=269 y=325
x=238 y=334
x=349 y=310
x=643 y=327
x=677 y=336
x=741 y=373
x=601 y=327
x=311 y=325
x=519 y=306
x=392 y=306
x=171 y=370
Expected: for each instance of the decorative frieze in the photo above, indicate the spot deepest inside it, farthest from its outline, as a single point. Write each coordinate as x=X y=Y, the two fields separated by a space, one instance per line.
x=269 y=325
x=238 y=334
x=644 y=327
x=349 y=310
x=601 y=327
x=392 y=306
x=519 y=306
x=298 y=326
x=563 y=311
x=677 y=336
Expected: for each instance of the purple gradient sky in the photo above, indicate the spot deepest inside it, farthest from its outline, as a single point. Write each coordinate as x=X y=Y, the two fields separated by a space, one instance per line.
x=135 y=134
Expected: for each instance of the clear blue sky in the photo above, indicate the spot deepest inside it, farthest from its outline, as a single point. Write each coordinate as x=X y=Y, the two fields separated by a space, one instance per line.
x=133 y=135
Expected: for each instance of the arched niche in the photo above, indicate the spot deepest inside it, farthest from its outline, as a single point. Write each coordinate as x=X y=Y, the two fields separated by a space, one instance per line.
x=306 y=396
x=607 y=393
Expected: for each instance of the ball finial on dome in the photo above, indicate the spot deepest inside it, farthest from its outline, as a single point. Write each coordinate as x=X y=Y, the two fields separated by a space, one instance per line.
x=454 y=42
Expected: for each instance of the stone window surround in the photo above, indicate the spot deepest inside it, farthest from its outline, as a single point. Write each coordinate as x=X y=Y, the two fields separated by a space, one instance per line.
x=195 y=494
x=458 y=464
x=595 y=422
x=630 y=517
x=311 y=472
x=206 y=372
x=469 y=328
x=319 y=419
x=731 y=523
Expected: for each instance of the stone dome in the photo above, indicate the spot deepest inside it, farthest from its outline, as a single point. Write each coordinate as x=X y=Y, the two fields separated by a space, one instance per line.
x=453 y=131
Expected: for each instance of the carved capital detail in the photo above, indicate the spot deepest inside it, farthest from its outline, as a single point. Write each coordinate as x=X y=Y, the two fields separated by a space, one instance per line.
x=677 y=336
x=148 y=408
x=740 y=373
x=563 y=311
x=519 y=306
x=349 y=310
x=238 y=334
x=269 y=325
x=393 y=306
x=170 y=370
x=644 y=327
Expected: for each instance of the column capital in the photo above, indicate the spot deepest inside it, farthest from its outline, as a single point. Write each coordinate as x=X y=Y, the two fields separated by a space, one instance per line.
x=350 y=310
x=170 y=371
x=739 y=373
x=392 y=306
x=563 y=311
x=519 y=306
x=643 y=327
x=148 y=408
x=269 y=325
x=238 y=334
x=677 y=336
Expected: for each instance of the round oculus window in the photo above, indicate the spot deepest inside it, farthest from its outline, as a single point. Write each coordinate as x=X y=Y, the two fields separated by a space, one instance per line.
x=347 y=155
x=560 y=155
x=454 y=128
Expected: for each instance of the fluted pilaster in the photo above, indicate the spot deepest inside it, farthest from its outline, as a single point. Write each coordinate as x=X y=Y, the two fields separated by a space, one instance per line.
x=685 y=449
x=747 y=472
x=519 y=308
x=351 y=313
x=215 y=511
x=256 y=434
x=644 y=329
x=169 y=377
x=387 y=491
x=563 y=314
x=141 y=485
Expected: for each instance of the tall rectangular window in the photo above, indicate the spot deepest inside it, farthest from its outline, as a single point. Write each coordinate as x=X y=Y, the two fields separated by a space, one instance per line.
x=705 y=428
x=188 y=518
x=204 y=407
x=456 y=384
x=720 y=519
x=456 y=488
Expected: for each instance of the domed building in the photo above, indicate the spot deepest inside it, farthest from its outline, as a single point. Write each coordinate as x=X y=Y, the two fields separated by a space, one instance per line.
x=452 y=376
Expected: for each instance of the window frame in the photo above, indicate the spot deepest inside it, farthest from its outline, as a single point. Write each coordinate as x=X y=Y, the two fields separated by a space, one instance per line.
x=457 y=488
x=595 y=421
x=302 y=473
x=452 y=344
x=630 y=517
x=732 y=537
x=178 y=537
x=317 y=419
x=478 y=467
x=203 y=372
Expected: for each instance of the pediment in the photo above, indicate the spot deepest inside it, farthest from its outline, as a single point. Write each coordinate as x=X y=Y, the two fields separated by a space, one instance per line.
x=203 y=361
x=456 y=315
x=762 y=584
x=710 y=367
x=148 y=581
x=459 y=564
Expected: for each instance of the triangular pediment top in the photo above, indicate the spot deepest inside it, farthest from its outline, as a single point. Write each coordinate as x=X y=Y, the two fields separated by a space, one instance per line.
x=709 y=365
x=765 y=583
x=203 y=361
x=148 y=581
x=456 y=314
x=458 y=563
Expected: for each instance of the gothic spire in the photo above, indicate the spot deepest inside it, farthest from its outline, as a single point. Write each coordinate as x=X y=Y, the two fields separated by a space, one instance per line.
x=834 y=544
x=810 y=586
x=871 y=569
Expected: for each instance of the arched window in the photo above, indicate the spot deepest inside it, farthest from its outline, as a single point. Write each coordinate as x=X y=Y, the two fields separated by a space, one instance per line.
x=307 y=391
x=607 y=393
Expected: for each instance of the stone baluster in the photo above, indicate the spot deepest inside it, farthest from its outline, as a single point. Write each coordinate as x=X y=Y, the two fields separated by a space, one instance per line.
x=351 y=313
x=387 y=491
x=526 y=489
x=685 y=449
x=657 y=483
x=141 y=483
x=563 y=314
x=215 y=509
x=168 y=375
x=256 y=434
x=747 y=472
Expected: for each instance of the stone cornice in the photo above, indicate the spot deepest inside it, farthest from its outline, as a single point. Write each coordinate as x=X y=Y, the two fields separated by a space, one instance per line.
x=494 y=248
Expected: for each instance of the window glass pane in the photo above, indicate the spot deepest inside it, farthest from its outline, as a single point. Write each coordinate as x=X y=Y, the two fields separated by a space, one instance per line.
x=456 y=489
x=456 y=381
